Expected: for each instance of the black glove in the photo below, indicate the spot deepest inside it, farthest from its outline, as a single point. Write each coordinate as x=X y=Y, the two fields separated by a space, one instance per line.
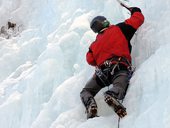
x=134 y=9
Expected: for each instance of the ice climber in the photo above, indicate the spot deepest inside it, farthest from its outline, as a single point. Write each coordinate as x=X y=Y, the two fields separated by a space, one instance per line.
x=110 y=54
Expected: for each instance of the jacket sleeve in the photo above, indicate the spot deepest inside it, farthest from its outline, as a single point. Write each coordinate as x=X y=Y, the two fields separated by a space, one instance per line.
x=136 y=19
x=90 y=59
x=129 y=26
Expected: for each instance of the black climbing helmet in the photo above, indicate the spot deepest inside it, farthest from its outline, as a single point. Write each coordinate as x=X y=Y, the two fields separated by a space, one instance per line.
x=99 y=23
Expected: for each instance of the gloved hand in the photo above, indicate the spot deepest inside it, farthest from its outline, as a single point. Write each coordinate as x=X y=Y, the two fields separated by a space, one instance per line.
x=134 y=9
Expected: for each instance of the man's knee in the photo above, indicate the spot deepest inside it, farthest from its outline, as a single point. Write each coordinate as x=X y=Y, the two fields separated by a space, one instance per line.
x=84 y=92
x=88 y=92
x=120 y=85
x=121 y=80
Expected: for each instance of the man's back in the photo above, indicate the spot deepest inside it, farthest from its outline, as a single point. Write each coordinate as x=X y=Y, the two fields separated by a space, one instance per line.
x=110 y=43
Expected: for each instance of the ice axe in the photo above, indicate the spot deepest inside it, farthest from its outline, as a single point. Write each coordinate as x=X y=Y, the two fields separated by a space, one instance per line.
x=124 y=5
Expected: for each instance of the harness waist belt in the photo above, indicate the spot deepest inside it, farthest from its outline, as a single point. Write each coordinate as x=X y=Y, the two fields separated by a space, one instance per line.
x=123 y=62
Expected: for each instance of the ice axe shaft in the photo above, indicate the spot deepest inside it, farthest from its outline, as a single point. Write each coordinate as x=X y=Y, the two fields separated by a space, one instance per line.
x=123 y=5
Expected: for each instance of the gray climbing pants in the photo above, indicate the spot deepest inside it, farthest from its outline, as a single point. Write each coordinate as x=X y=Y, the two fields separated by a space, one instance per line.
x=120 y=82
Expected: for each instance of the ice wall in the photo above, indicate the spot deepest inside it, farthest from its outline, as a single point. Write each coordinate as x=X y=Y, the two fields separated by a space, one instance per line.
x=43 y=69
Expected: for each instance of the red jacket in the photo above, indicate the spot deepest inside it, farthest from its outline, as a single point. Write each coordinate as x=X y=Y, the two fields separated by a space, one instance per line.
x=114 y=41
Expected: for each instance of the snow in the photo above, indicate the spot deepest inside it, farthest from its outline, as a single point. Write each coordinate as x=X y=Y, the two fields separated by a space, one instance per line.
x=43 y=66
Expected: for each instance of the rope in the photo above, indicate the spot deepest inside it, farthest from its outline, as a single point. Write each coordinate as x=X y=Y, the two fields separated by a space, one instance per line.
x=118 y=125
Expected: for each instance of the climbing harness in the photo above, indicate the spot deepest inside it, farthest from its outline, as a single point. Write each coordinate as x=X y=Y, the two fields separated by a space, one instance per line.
x=110 y=66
